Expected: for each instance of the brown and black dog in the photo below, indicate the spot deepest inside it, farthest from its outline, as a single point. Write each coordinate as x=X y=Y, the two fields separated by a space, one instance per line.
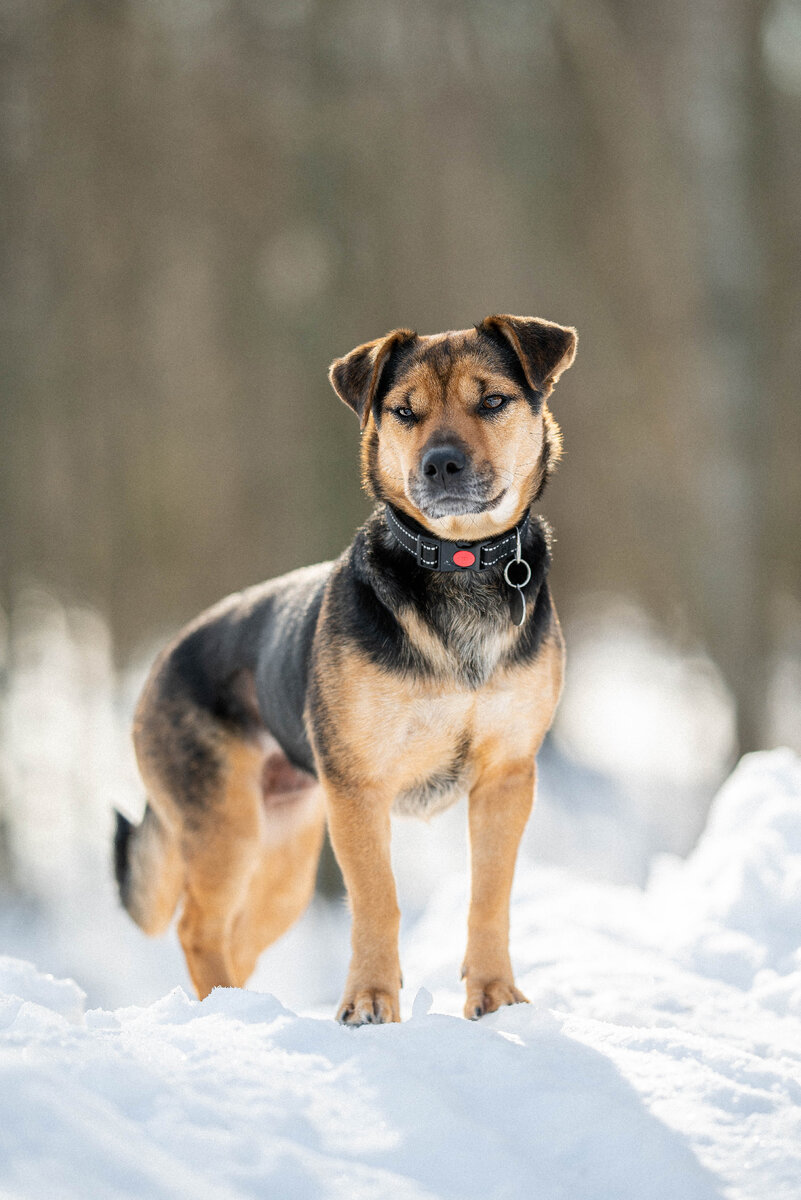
x=423 y=665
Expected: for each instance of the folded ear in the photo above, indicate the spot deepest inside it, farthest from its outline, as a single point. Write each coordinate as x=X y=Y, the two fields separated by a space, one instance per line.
x=545 y=349
x=355 y=378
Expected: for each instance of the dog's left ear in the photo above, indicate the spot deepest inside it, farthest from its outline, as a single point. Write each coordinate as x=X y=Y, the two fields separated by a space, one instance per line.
x=355 y=378
x=544 y=348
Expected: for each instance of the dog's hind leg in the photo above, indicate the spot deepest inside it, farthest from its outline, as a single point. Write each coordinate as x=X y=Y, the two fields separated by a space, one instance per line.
x=222 y=851
x=292 y=828
x=246 y=828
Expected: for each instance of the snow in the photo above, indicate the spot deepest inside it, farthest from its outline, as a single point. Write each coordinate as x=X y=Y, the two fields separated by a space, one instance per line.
x=660 y=1055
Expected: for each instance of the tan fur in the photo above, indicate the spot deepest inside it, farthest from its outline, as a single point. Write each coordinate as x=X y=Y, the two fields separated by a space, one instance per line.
x=247 y=874
x=157 y=875
x=421 y=722
x=280 y=890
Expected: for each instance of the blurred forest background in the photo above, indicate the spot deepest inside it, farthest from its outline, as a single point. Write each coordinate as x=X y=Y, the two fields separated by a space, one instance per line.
x=205 y=201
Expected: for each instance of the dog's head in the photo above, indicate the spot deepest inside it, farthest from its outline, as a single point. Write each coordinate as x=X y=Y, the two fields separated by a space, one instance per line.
x=456 y=428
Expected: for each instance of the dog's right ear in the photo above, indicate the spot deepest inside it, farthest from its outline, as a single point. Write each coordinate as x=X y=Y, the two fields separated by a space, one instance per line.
x=355 y=378
x=545 y=349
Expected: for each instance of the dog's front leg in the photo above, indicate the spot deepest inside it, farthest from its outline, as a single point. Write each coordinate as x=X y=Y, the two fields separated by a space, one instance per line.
x=360 y=834
x=499 y=807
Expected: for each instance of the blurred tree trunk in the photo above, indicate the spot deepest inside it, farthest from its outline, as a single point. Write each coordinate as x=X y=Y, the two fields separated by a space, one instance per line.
x=737 y=173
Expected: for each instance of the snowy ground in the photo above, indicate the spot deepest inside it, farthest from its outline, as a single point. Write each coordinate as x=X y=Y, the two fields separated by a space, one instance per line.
x=660 y=1056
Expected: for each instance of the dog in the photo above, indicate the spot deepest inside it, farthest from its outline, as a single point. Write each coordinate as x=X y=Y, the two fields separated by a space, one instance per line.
x=423 y=665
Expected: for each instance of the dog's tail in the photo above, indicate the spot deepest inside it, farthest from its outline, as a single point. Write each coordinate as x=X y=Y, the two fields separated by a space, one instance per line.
x=149 y=870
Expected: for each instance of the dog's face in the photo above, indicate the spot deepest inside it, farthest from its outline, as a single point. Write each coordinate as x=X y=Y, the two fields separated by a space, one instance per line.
x=456 y=428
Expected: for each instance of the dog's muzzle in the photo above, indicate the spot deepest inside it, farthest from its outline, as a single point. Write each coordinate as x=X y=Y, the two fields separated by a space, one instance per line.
x=447 y=484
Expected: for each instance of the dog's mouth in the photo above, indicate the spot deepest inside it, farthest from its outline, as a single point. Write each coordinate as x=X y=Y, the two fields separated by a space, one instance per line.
x=452 y=504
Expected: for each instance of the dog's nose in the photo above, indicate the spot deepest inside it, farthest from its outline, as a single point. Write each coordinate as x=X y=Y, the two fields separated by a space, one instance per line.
x=442 y=463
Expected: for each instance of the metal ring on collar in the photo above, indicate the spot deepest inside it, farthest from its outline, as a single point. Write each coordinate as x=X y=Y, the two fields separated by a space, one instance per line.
x=517 y=562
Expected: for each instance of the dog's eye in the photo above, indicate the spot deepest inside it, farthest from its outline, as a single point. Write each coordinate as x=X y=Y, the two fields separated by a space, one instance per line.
x=492 y=403
x=405 y=414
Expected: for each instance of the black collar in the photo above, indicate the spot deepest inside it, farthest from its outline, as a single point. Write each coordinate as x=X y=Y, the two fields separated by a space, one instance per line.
x=437 y=554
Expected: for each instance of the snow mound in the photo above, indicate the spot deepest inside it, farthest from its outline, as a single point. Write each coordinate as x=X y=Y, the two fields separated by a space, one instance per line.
x=733 y=908
x=660 y=1056
x=236 y=1096
x=28 y=995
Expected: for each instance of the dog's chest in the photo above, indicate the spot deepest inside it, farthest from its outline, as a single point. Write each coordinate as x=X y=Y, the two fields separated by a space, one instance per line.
x=440 y=787
x=440 y=747
x=461 y=647
x=446 y=741
x=426 y=734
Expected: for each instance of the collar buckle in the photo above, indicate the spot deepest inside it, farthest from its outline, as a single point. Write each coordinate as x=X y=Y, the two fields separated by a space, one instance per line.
x=442 y=555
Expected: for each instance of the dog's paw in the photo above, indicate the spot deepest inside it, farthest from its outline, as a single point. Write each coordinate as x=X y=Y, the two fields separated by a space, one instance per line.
x=369 y=1006
x=483 y=998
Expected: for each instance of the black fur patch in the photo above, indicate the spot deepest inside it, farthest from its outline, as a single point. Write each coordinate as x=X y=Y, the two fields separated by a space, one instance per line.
x=372 y=481
x=195 y=675
x=511 y=365
x=188 y=754
x=363 y=616
x=383 y=579
x=439 y=356
x=394 y=369
x=331 y=754
x=122 y=869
